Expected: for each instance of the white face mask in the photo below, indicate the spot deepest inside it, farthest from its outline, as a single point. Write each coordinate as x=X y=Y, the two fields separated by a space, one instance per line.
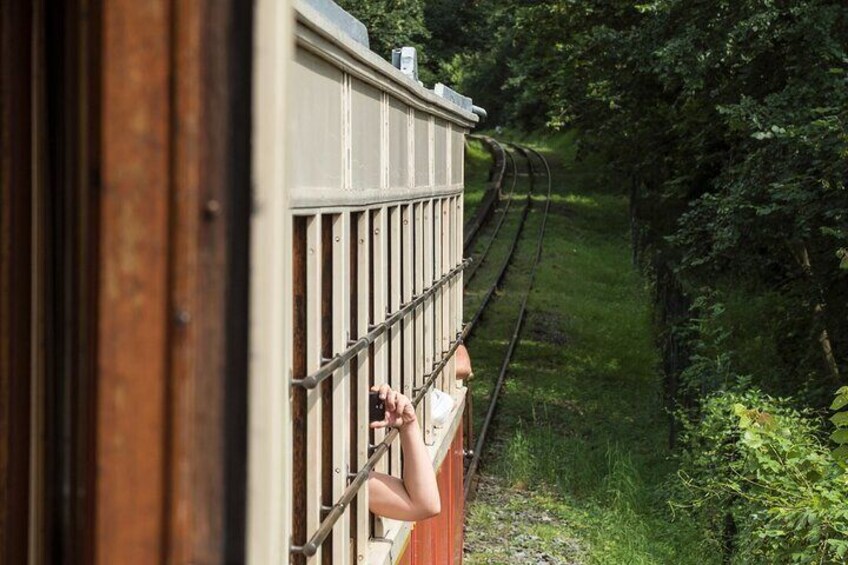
x=441 y=405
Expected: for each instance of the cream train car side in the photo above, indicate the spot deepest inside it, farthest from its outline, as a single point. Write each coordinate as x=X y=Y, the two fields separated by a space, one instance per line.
x=356 y=279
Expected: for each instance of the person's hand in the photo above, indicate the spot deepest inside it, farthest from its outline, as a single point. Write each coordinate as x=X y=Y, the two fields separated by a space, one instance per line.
x=399 y=409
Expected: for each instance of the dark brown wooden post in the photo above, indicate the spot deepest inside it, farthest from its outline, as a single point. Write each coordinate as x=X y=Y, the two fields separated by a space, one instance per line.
x=15 y=275
x=174 y=217
x=133 y=307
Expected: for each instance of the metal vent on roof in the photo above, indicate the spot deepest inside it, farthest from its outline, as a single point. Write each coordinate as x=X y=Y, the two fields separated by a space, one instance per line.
x=406 y=59
x=452 y=95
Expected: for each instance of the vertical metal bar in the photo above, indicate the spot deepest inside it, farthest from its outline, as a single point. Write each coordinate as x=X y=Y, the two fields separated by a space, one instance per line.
x=418 y=239
x=341 y=388
x=438 y=299
x=460 y=235
x=447 y=322
x=296 y=440
x=363 y=309
x=314 y=259
x=454 y=288
x=37 y=309
x=459 y=224
x=428 y=307
x=394 y=335
x=379 y=230
x=353 y=387
x=408 y=262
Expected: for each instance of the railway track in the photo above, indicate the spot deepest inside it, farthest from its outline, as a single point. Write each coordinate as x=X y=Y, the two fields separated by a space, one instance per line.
x=533 y=174
x=471 y=270
x=508 y=259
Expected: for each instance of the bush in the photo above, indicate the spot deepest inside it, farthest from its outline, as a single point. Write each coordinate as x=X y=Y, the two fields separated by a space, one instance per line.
x=755 y=473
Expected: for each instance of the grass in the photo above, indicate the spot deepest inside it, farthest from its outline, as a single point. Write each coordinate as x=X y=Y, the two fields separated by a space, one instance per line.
x=577 y=460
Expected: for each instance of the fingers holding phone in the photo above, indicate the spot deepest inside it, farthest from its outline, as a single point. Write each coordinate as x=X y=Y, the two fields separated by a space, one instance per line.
x=396 y=408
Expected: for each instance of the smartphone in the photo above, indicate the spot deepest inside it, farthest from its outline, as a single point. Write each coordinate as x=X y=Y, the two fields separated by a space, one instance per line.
x=377 y=405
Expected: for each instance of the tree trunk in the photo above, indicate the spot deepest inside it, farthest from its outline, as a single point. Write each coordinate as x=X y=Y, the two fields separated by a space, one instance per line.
x=802 y=256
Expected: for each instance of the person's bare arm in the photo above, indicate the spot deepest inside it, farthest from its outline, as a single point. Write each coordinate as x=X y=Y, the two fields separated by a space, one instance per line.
x=416 y=497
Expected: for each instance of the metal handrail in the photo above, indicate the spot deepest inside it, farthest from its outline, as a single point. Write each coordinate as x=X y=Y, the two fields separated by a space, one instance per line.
x=336 y=511
x=330 y=365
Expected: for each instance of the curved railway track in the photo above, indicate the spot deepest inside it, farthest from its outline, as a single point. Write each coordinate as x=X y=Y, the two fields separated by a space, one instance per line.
x=475 y=454
x=507 y=260
x=471 y=270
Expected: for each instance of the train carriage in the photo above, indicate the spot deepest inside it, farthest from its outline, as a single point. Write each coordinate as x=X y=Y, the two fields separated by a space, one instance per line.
x=221 y=225
x=370 y=291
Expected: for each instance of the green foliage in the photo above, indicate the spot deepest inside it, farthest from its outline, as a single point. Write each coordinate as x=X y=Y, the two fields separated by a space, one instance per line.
x=710 y=365
x=840 y=420
x=727 y=122
x=391 y=23
x=756 y=474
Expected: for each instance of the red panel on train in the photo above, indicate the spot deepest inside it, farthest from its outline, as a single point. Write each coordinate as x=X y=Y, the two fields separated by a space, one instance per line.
x=439 y=540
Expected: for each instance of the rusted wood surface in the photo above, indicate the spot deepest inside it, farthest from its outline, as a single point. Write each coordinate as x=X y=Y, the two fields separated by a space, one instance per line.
x=133 y=305
x=171 y=140
x=203 y=178
x=185 y=304
x=457 y=502
x=139 y=339
x=15 y=275
x=439 y=539
x=314 y=397
x=353 y=392
x=299 y=468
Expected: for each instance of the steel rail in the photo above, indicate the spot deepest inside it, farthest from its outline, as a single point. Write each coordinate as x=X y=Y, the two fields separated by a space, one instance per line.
x=337 y=361
x=469 y=273
x=502 y=272
x=497 y=282
x=514 y=340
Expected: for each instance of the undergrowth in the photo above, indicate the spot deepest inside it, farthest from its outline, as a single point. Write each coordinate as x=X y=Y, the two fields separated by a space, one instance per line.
x=580 y=431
